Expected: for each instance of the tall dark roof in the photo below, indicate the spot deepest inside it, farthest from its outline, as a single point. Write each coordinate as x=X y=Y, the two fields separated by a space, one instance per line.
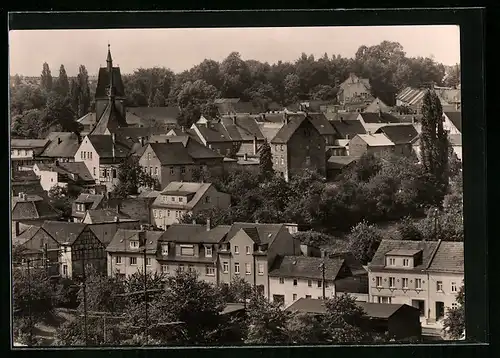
x=185 y=233
x=67 y=169
x=348 y=128
x=103 y=144
x=266 y=232
x=242 y=127
x=95 y=199
x=306 y=267
x=28 y=143
x=111 y=120
x=166 y=115
x=213 y=132
x=99 y=216
x=171 y=153
x=122 y=238
x=449 y=257
x=33 y=208
x=456 y=119
x=103 y=82
x=287 y=131
x=318 y=120
x=400 y=133
x=195 y=149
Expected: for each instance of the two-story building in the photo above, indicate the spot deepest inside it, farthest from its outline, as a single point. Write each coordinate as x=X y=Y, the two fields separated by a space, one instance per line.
x=181 y=198
x=297 y=146
x=66 y=175
x=352 y=88
x=61 y=147
x=248 y=250
x=23 y=152
x=85 y=202
x=168 y=162
x=370 y=143
x=424 y=274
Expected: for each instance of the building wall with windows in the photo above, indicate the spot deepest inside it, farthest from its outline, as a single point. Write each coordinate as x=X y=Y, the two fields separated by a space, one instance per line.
x=443 y=290
x=87 y=154
x=290 y=289
x=124 y=264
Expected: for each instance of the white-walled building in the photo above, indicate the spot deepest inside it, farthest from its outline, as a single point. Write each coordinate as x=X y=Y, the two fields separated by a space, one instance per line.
x=63 y=175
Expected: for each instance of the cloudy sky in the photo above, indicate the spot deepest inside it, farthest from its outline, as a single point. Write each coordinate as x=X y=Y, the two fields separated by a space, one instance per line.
x=180 y=49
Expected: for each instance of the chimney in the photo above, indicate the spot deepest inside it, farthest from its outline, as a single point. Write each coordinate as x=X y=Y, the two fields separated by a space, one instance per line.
x=209 y=224
x=25 y=196
x=285 y=118
x=57 y=163
x=193 y=222
x=20 y=195
x=347 y=136
x=117 y=219
x=263 y=117
x=183 y=129
x=369 y=132
x=59 y=140
x=234 y=120
x=113 y=140
x=142 y=237
x=245 y=156
x=167 y=140
x=254 y=145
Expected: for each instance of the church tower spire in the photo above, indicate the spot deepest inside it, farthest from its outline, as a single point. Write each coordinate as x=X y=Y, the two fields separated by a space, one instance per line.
x=109 y=60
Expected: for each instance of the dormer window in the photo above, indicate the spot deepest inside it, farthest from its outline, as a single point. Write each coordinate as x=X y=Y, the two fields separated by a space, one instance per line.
x=392 y=261
x=208 y=251
x=134 y=244
x=164 y=249
x=406 y=262
x=149 y=156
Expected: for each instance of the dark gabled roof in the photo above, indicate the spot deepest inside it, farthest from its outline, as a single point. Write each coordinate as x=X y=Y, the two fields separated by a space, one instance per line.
x=215 y=235
x=266 y=232
x=103 y=82
x=456 y=119
x=213 y=132
x=122 y=238
x=427 y=247
x=137 y=132
x=95 y=199
x=25 y=235
x=111 y=119
x=103 y=144
x=348 y=128
x=183 y=189
x=23 y=175
x=87 y=119
x=339 y=162
x=99 y=216
x=79 y=169
x=167 y=115
x=287 y=130
x=195 y=149
x=318 y=120
x=237 y=107
x=306 y=267
x=67 y=148
x=400 y=133
x=382 y=117
x=63 y=231
x=171 y=153
x=185 y=233
x=449 y=257
x=242 y=127
x=34 y=207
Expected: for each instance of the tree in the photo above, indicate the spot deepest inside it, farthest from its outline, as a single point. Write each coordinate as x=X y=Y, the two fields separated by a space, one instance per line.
x=29 y=125
x=454 y=322
x=194 y=99
x=344 y=320
x=59 y=198
x=452 y=78
x=235 y=76
x=84 y=91
x=238 y=290
x=131 y=177
x=25 y=98
x=407 y=230
x=60 y=113
x=158 y=99
x=434 y=145
x=291 y=86
x=364 y=240
x=267 y=322
x=74 y=95
x=266 y=161
x=46 y=78
x=305 y=328
x=318 y=239
x=62 y=83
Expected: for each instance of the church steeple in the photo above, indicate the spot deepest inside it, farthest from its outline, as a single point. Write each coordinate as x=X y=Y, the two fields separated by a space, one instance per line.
x=109 y=60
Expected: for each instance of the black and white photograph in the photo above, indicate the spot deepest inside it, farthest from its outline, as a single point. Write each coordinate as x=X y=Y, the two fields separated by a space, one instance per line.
x=236 y=186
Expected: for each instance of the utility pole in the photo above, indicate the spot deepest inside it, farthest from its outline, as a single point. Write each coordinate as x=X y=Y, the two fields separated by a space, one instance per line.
x=436 y=224
x=144 y=242
x=84 y=298
x=46 y=258
x=322 y=266
x=29 y=304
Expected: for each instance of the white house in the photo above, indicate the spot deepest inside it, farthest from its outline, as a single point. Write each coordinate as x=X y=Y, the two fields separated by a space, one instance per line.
x=63 y=174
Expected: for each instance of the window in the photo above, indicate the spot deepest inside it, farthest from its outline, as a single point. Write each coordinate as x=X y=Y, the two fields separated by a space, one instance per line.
x=295 y=282
x=294 y=297
x=308 y=296
x=118 y=259
x=172 y=170
x=248 y=269
x=177 y=213
x=261 y=269
x=187 y=250
x=379 y=281
x=164 y=268
x=81 y=155
x=65 y=270
x=225 y=267
x=180 y=199
x=309 y=283
x=183 y=170
x=148 y=261
x=454 y=305
x=150 y=170
x=384 y=299
x=113 y=173
x=208 y=251
x=326 y=284
x=168 y=213
x=155 y=213
x=453 y=287
x=209 y=270
x=149 y=156
x=405 y=282
x=160 y=213
x=94 y=172
x=282 y=161
x=406 y=262
x=207 y=199
x=281 y=147
x=133 y=260
x=418 y=283
x=236 y=250
x=181 y=267
x=84 y=155
x=172 y=198
x=392 y=282
x=282 y=280
x=439 y=286
x=248 y=250
x=156 y=170
x=392 y=262
x=190 y=268
x=90 y=154
x=308 y=160
x=237 y=268
x=320 y=284
x=134 y=244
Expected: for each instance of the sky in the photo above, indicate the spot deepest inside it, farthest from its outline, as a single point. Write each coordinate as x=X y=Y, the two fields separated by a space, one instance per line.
x=181 y=49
